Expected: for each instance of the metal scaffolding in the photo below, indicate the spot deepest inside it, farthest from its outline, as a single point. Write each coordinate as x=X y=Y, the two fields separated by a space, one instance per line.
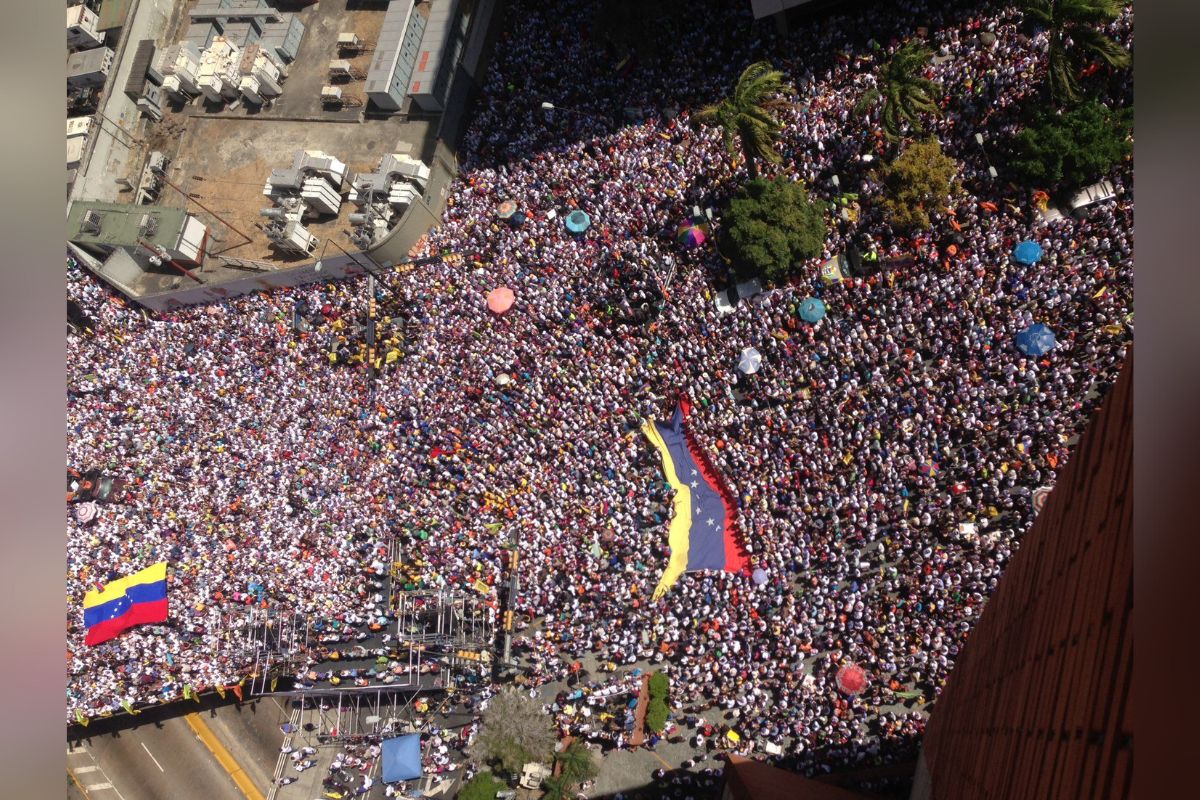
x=445 y=619
x=265 y=641
x=444 y=644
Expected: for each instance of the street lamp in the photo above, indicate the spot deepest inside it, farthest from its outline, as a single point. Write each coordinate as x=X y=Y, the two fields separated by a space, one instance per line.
x=979 y=141
x=548 y=107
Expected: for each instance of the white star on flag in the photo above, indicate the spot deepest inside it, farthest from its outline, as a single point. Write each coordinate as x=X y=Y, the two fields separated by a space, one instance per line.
x=712 y=522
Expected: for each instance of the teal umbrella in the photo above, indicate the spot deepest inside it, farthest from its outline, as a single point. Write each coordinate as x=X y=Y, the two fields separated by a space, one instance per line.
x=578 y=221
x=812 y=310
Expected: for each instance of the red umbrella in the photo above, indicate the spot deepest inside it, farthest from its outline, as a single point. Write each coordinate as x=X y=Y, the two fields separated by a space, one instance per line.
x=851 y=679
x=500 y=300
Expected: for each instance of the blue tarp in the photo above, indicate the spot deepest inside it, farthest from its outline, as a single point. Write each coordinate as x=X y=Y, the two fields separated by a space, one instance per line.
x=402 y=758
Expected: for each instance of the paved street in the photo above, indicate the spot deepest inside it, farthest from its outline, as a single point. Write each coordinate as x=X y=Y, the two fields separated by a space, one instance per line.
x=150 y=762
x=166 y=757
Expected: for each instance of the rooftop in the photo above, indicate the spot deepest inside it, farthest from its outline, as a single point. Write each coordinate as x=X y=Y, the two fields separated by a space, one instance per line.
x=125 y=224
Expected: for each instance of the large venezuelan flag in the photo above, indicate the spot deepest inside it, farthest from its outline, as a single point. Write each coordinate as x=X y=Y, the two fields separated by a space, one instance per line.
x=703 y=532
x=133 y=600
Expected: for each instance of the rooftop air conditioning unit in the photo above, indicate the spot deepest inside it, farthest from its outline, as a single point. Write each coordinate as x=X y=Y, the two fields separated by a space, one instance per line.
x=91 y=222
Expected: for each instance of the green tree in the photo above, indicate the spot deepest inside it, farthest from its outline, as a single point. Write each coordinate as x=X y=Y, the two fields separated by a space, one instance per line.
x=660 y=685
x=482 y=787
x=656 y=715
x=1077 y=22
x=905 y=90
x=514 y=732
x=772 y=227
x=556 y=787
x=578 y=765
x=919 y=179
x=749 y=113
x=1062 y=152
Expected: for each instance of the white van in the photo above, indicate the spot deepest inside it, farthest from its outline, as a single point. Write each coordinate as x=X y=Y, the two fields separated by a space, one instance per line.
x=1090 y=195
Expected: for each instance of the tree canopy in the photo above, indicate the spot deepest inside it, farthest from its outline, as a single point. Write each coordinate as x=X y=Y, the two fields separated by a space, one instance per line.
x=772 y=227
x=1062 y=152
x=482 y=787
x=905 y=90
x=919 y=179
x=750 y=114
x=1075 y=39
x=514 y=732
x=656 y=715
x=578 y=764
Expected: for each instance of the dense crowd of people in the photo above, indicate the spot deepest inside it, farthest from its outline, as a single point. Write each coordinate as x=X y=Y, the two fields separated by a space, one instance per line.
x=884 y=459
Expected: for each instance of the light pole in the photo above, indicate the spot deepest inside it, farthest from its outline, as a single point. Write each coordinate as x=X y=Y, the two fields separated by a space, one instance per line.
x=548 y=107
x=979 y=141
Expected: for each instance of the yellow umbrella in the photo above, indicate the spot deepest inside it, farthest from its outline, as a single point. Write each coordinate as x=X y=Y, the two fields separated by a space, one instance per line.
x=733 y=736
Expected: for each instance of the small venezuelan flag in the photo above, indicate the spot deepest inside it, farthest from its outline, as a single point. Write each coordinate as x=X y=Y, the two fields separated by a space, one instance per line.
x=133 y=600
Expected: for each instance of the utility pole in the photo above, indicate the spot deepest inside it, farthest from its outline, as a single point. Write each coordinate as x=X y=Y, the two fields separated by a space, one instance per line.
x=371 y=327
x=514 y=585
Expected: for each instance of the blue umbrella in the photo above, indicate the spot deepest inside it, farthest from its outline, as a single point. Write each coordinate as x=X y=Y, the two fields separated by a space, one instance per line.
x=1036 y=340
x=812 y=310
x=759 y=576
x=517 y=219
x=1027 y=252
x=578 y=221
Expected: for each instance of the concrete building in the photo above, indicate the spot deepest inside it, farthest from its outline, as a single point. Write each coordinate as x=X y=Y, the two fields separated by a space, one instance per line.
x=83 y=31
x=150 y=236
x=89 y=68
x=395 y=55
x=442 y=45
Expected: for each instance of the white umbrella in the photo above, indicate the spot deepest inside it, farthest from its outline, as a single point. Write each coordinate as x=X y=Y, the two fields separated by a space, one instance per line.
x=750 y=361
x=86 y=512
x=503 y=379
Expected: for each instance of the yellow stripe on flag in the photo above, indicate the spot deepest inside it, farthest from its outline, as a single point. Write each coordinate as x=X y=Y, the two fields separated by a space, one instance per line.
x=681 y=522
x=117 y=588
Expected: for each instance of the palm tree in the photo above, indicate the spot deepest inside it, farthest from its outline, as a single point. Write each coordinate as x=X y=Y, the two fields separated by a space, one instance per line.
x=556 y=788
x=1075 y=21
x=749 y=113
x=905 y=90
x=577 y=763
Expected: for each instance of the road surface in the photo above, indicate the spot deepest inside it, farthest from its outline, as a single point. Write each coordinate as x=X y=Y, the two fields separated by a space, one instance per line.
x=222 y=753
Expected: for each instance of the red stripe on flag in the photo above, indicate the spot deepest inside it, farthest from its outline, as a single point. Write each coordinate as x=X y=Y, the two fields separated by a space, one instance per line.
x=736 y=559
x=138 y=614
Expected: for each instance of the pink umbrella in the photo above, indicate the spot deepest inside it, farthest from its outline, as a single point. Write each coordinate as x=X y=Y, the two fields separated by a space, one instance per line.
x=851 y=679
x=500 y=300
x=86 y=512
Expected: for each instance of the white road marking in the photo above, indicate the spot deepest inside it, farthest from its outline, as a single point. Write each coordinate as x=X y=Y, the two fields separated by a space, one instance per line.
x=152 y=758
x=94 y=786
x=84 y=770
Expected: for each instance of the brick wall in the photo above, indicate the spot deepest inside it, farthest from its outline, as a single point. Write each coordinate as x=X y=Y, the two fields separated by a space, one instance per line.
x=1038 y=703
